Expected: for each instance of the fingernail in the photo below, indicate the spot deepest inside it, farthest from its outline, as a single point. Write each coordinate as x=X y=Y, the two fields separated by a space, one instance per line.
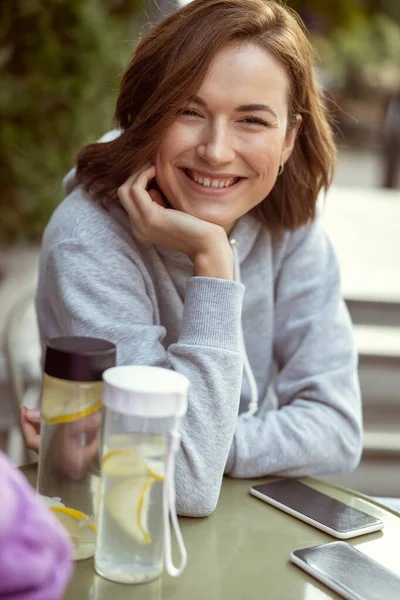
x=33 y=413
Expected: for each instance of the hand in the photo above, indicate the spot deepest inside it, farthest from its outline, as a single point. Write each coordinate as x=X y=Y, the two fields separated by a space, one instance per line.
x=75 y=445
x=30 y=427
x=206 y=244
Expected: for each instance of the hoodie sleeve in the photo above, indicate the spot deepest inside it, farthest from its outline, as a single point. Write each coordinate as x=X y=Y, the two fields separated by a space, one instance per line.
x=35 y=553
x=317 y=428
x=99 y=291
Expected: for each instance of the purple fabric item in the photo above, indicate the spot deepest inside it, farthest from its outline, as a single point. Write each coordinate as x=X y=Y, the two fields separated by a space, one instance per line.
x=35 y=552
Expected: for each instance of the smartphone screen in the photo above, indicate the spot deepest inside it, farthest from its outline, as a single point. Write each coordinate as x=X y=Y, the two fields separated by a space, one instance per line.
x=348 y=571
x=317 y=509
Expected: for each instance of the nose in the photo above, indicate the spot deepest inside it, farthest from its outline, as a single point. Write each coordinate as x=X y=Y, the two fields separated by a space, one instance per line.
x=217 y=145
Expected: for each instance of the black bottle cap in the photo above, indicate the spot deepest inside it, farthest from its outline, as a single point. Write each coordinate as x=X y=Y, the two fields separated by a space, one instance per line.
x=79 y=358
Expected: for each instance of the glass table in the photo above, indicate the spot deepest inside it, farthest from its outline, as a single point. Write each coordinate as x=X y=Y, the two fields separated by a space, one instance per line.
x=241 y=552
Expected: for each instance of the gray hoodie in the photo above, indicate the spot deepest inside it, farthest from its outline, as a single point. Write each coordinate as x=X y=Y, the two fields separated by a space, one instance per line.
x=294 y=409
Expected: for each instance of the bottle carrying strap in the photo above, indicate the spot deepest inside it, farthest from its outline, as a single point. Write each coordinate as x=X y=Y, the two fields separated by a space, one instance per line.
x=169 y=509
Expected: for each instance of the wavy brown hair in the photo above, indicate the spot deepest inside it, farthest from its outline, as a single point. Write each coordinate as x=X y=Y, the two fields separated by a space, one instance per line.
x=166 y=71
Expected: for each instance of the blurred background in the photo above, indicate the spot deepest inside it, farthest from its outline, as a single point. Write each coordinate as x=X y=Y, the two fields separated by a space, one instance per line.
x=60 y=64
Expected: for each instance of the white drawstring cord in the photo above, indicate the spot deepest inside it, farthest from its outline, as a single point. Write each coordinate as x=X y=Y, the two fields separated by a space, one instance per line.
x=253 y=405
x=169 y=507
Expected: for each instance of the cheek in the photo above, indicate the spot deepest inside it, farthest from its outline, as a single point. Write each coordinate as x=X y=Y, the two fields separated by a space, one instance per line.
x=163 y=157
x=175 y=141
x=265 y=154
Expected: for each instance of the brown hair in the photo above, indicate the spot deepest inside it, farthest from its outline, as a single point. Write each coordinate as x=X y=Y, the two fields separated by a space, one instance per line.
x=166 y=71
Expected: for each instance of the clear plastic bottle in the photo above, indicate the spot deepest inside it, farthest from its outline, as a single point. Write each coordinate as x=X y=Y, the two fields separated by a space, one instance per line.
x=68 y=473
x=144 y=406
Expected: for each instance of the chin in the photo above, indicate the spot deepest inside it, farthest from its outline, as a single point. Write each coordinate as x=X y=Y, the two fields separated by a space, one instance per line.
x=217 y=217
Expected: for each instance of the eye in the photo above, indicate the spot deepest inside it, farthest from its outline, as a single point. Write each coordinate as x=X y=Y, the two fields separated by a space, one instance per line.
x=190 y=112
x=255 y=121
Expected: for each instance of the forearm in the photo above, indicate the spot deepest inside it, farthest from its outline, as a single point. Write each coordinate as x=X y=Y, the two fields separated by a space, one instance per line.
x=296 y=440
x=208 y=353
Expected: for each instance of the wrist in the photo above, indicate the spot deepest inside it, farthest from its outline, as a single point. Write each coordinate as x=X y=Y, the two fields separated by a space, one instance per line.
x=217 y=263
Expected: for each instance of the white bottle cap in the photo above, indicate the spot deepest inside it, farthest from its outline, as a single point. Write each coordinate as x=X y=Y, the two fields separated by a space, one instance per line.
x=145 y=391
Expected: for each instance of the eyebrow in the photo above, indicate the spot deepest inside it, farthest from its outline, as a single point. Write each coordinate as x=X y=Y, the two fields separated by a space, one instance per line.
x=243 y=107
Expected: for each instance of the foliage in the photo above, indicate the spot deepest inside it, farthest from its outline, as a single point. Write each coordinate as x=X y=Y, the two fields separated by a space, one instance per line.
x=358 y=42
x=60 y=61
x=362 y=56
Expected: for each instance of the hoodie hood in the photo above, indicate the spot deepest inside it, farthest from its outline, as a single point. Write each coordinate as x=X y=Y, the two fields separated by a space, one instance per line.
x=69 y=182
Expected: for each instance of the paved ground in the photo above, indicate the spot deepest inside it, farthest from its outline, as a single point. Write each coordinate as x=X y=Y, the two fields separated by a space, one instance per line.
x=358 y=168
x=364 y=226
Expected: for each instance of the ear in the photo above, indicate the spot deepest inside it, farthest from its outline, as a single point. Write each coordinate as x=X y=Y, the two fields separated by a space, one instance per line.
x=290 y=138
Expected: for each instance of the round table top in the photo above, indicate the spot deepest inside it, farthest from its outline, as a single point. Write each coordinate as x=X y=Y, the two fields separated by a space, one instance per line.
x=242 y=551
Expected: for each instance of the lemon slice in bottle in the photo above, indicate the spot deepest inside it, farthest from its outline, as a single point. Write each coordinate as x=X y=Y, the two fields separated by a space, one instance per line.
x=128 y=462
x=64 y=403
x=154 y=457
x=125 y=462
x=80 y=528
x=155 y=469
x=128 y=503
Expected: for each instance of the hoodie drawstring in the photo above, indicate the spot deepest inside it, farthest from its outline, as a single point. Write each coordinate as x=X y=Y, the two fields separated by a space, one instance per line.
x=253 y=405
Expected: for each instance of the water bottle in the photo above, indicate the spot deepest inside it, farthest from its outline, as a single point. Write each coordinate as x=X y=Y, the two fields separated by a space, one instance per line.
x=143 y=406
x=71 y=403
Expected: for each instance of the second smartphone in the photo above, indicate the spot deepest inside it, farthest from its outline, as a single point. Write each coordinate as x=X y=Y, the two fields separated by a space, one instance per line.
x=349 y=572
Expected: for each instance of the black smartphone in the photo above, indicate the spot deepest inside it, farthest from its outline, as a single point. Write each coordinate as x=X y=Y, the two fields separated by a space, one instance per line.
x=317 y=509
x=348 y=572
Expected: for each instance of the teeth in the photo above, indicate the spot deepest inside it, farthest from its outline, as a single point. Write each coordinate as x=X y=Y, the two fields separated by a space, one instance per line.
x=207 y=182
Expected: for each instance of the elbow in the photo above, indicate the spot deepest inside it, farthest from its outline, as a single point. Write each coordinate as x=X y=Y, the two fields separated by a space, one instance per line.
x=196 y=500
x=353 y=453
x=353 y=443
x=350 y=445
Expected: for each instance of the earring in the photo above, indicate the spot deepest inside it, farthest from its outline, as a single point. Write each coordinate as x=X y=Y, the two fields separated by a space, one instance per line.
x=280 y=170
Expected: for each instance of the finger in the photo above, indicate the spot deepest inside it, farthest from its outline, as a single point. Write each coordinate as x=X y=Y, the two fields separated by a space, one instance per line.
x=33 y=415
x=26 y=421
x=132 y=178
x=137 y=202
x=30 y=434
x=139 y=193
x=32 y=441
x=124 y=190
x=144 y=177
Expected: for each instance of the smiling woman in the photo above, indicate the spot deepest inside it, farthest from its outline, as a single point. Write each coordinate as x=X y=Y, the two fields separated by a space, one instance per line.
x=209 y=258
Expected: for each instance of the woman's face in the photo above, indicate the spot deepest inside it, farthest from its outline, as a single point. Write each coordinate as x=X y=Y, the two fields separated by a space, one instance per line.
x=221 y=156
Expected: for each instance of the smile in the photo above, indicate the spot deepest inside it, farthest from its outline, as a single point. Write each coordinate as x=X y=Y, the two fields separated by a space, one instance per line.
x=211 y=182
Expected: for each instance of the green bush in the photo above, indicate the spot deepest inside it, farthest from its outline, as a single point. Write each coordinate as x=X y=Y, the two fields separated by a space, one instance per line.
x=60 y=62
x=363 y=55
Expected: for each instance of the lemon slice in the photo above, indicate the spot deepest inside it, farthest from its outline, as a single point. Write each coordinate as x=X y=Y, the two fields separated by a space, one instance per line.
x=123 y=463
x=128 y=503
x=80 y=528
x=64 y=402
x=155 y=469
